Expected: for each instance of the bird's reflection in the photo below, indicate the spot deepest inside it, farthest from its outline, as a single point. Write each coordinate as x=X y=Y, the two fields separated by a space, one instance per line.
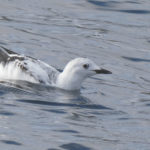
x=51 y=96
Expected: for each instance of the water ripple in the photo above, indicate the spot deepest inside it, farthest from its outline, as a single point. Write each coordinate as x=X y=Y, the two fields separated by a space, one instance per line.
x=7 y=113
x=9 y=142
x=83 y=106
x=136 y=59
x=74 y=146
x=108 y=6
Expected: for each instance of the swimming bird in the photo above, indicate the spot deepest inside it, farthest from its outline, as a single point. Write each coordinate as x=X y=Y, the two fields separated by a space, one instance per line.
x=14 y=66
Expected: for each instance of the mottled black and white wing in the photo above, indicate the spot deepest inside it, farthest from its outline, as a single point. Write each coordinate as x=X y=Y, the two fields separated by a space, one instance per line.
x=40 y=71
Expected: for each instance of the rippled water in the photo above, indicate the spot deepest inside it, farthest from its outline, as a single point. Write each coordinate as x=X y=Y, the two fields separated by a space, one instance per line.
x=110 y=112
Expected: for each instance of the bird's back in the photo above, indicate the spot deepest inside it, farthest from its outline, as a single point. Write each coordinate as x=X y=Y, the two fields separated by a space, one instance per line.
x=20 y=67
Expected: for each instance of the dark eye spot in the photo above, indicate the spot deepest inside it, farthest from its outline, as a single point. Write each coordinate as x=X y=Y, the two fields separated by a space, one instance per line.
x=86 y=66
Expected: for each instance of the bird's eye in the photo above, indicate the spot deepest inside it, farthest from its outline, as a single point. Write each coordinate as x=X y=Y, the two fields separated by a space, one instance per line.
x=86 y=66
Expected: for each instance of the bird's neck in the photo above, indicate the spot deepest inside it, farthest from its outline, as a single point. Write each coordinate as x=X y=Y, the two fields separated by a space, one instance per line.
x=69 y=81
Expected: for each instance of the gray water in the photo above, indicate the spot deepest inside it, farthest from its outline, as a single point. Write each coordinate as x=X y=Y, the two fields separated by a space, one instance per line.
x=111 y=112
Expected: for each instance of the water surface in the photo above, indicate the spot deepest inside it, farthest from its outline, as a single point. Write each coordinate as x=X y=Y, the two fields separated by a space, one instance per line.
x=111 y=111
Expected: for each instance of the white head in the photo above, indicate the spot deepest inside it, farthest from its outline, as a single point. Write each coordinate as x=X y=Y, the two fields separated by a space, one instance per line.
x=76 y=71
